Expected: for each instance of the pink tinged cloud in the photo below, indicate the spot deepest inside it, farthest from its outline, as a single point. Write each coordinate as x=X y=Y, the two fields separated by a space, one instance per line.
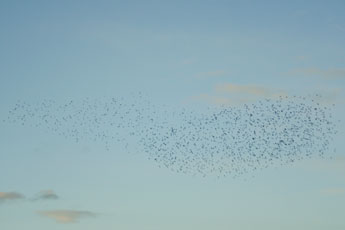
x=67 y=216
x=234 y=94
x=10 y=196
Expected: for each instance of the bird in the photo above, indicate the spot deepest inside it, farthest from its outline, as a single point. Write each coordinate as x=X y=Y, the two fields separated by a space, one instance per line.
x=213 y=141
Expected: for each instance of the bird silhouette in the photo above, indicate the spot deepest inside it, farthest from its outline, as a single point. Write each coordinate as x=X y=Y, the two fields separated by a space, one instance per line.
x=220 y=141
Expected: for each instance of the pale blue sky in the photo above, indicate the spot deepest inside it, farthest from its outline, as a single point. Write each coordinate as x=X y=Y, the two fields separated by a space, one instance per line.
x=178 y=52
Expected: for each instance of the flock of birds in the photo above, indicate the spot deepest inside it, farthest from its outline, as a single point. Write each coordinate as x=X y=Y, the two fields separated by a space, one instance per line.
x=218 y=141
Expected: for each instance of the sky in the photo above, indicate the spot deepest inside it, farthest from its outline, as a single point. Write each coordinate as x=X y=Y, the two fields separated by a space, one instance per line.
x=181 y=54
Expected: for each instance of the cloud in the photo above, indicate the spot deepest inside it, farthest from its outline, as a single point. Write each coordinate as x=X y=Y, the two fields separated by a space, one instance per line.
x=328 y=96
x=4 y=196
x=235 y=94
x=336 y=165
x=216 y=73
x=66 y=216
x=332 y=167
x=333 y=191
x=254 y=90
x=330 y=73
x=339 y=27
x=189 y=61
x=46 y=195
x=301 y=58
x=218 y=100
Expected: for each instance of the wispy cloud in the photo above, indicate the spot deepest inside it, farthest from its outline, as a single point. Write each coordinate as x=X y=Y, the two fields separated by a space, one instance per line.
x=235 y=94
x=216 y=73
x=46 y=195
x=334 y=166
x=43 y=195
x=328 y=96
x=4 y=196
x=67 y=216
x=189 y=61
x=254 y=90
x=301 y=58
x=333 y=191
x=218 y=99
x=330 y=73
x=238 y=94
x=339 y=27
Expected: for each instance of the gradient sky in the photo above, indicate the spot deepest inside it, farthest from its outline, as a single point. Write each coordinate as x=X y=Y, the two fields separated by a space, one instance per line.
x=180 y=52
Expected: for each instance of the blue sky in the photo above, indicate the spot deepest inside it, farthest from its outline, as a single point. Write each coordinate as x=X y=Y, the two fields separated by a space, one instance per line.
x=179 y=53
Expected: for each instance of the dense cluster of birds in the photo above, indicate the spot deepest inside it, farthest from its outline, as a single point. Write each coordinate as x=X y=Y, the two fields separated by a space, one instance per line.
x=217 y=141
